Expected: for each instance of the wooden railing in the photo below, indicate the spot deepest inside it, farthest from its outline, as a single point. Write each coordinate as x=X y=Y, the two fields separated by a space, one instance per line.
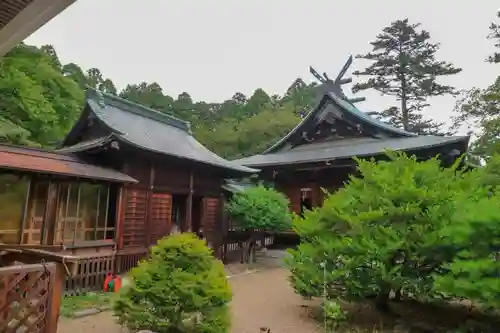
x=128 y=259
x=25 y=298
x=90 y=274
x=92 y=269
x=31 y=287
x=235 y=245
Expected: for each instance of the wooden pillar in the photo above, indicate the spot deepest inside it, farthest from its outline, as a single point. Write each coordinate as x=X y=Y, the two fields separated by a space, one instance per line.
x=119 y=215
x=51 y=214
x=189 y=205
x=120 y=205
x=121 y=208
x=149 y=198
x=223 y=230
x=24 y=216
x=56 y=294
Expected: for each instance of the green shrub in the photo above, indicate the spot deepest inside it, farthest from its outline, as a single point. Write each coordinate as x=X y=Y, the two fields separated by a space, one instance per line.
x=181 y=288
x=380 y=233
x=260 y=208
x=474 y=272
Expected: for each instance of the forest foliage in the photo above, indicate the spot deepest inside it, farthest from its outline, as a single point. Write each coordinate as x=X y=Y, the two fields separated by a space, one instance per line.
x=42 y=97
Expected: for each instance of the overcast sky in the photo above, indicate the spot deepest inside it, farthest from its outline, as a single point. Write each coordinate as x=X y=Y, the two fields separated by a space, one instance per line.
x=212 y=49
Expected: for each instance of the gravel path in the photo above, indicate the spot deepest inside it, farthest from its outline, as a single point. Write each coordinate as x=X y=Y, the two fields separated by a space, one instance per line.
x=262 y=299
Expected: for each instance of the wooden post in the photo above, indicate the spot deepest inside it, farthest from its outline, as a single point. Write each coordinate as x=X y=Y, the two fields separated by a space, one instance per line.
x=56 y=297
x=24 y=216
x=149 y=199
x=222 y=229
x=120 y=208
x=119 y=217
x=189 y=205
x=51 y=214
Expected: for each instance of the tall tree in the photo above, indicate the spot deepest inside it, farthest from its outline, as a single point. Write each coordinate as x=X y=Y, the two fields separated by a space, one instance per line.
x=39 y=104
x=495 y=36
x=479 y=109
x=404 y=65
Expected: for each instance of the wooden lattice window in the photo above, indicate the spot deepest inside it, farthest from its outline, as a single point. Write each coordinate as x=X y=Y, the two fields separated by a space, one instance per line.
x=160 y=216
x=134 y=221
x=13 y=191
x=210 y=213
x=82 y=213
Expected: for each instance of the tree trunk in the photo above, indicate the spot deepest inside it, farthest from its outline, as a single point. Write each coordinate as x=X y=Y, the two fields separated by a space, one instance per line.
x=397 y=295
x=382 y=300
x=251 y=248
x=404 y=106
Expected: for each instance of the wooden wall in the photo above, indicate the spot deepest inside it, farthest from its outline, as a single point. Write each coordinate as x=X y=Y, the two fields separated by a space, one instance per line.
x=291 y=182
x=135 y=208
x=160 y=219
x=211 y=213
x=147 y=206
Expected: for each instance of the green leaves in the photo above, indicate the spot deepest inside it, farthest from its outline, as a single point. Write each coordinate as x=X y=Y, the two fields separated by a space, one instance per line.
x=39 y=103
x=181 y=288
x=404 y=65
x=42 y=99
x=260 y=208
x=495 y=36
x=403 y=224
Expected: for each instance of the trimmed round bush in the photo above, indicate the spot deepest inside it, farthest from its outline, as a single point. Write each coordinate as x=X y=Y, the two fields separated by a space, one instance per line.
x=181 y=288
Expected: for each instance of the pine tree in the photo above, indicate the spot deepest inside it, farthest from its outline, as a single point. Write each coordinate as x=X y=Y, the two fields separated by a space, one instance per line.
x=404 y=65
x=495 y=36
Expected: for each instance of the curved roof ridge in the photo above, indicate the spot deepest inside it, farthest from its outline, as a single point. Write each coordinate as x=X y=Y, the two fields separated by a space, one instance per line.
x=346 y=106
x=349 y=107
x=280 y=142
x=124 y=104
x=156 y=136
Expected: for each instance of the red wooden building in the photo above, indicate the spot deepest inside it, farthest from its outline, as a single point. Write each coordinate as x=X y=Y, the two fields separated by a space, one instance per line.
x=124 y=177
x=318 y=153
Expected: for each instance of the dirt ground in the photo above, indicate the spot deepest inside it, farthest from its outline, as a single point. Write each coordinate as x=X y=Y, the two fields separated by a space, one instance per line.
x=262 y=299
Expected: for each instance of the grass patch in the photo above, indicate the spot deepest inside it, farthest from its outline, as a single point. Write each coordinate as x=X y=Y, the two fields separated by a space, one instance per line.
x=71 y=304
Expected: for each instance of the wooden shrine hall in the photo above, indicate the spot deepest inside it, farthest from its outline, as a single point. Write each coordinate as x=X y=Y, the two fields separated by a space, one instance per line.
x=124 y=177
x=318 y=153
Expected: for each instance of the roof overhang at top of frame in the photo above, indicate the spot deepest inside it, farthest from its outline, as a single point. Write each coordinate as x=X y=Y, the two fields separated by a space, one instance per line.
x=20 y=18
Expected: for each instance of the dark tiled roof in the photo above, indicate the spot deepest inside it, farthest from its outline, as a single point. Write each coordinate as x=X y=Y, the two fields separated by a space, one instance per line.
x=151 y=130
x=350 y=111
x=85 y=145
x=379 y=137
x=349 y=107
x=346 y=148
x=47 y=162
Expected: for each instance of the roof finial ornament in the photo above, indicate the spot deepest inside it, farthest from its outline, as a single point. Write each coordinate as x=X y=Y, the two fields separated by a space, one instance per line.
x=335 y=86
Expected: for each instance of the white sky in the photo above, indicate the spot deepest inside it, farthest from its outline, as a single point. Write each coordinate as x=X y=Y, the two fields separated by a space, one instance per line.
x=212 y=49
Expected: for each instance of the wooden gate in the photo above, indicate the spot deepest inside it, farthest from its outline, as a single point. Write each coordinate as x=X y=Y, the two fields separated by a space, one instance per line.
x=26 y=293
